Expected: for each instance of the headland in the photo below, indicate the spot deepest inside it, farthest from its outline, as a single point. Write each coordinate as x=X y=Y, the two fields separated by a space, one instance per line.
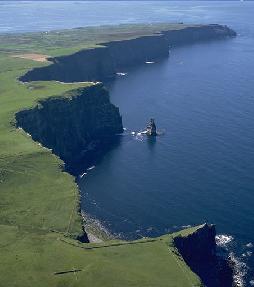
x=53 y=112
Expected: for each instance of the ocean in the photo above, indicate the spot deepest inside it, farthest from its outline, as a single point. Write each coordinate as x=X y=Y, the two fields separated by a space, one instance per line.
x=201 y=167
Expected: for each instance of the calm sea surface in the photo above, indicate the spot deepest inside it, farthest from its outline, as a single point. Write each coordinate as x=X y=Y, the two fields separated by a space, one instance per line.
x=202 y=97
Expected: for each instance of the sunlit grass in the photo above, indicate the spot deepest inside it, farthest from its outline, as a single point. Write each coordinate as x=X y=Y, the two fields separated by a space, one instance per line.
x=39 y=201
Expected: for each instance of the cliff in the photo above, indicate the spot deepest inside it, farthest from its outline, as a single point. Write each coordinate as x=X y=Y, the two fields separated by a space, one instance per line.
x=200 y=252
x=39 y=216
x=76 y=126
x=102 y=63
x=192 y=35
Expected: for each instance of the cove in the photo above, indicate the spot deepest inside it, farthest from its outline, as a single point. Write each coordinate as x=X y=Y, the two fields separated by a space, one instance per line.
x=150 y=181
x=201 y=168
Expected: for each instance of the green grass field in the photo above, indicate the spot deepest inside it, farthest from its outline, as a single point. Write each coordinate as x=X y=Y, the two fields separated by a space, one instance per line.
x=63 y=42
x=39 y=203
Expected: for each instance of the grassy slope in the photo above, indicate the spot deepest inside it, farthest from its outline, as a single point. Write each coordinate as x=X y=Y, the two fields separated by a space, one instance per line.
x=39 y=202
x=64 y=42
x=30 y=258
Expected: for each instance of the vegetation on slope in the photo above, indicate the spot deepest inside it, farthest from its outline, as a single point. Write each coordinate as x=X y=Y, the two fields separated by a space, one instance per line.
x=63 y=42
x=34 y=257
x=39 y=201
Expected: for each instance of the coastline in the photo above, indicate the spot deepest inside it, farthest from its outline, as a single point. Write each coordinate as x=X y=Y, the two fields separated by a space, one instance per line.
x=48 y=167
x=95 y=230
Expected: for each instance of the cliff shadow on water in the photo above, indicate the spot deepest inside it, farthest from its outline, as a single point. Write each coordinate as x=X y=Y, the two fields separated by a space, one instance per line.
x=82 y=125
x=79 y=127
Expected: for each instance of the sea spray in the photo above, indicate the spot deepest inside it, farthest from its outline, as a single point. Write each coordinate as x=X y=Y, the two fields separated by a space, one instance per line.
x=226 y=242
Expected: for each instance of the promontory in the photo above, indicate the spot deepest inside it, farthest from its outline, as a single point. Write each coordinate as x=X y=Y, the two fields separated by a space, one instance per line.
x=56 y=113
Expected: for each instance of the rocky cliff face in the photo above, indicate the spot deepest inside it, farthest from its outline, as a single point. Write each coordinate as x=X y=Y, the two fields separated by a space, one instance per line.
x=200 y=252
x=192 y=35
x=100 y=64
x=76 y=127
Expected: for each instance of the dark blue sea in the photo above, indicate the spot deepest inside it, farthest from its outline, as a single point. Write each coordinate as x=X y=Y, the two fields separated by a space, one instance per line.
x=201 y=169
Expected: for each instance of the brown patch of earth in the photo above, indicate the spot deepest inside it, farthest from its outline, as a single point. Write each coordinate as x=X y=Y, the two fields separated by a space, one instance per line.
x=34 y=57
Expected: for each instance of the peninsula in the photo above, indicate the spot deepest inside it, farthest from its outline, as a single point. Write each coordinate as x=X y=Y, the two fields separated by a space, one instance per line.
x=56 y=113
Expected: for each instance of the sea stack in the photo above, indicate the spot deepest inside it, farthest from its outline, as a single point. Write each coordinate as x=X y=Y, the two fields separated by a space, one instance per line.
x=151 y=128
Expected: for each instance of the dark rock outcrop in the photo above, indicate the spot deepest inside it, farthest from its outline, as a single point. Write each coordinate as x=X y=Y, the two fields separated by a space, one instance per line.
x=151 y=128
x=199 y=251
x=102 y=63
x=76 y=127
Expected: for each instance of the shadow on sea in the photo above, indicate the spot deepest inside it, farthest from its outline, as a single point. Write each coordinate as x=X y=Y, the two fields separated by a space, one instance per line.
x=93 y=157
x=151 y=142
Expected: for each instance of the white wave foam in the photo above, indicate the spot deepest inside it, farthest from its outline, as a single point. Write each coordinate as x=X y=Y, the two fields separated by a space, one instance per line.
x=240 y=270
x=222 y=239
x=149 y=62
x=83 y=174
x=121 y=74
x=91 y=167
x=249 y=245
x=143 y=132
x=249 y=253
x=252 y=282
x=139 y=137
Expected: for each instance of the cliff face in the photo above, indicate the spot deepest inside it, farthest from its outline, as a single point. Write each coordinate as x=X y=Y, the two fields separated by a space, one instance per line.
x=84 y=123
x=200 y=252
x=192 y=35
x=100 y=64
x=129 y=53
x=86 y=65
x=76 y=127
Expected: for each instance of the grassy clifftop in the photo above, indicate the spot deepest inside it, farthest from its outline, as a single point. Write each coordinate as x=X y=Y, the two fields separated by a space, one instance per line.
x=39 y=204
x=34 y=257
x=63 y=42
